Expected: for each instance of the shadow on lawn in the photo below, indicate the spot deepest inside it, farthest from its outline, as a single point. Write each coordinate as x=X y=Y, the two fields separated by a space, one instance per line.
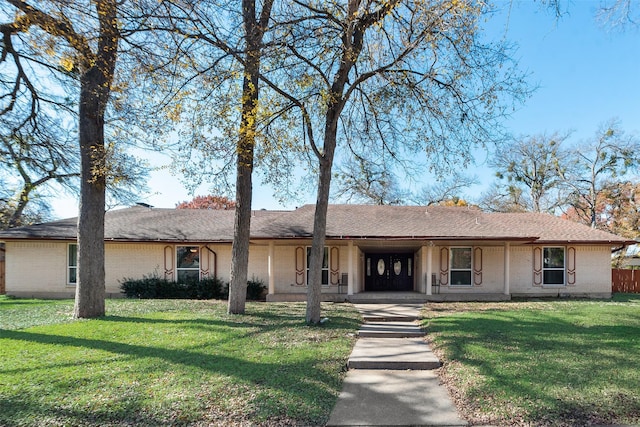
x=626 y=298
x=132 y=413
x=533 y=360
x=304 y=379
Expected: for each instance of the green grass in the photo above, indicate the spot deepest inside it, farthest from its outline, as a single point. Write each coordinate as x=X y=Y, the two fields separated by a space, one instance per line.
x=541 y=363
x=170 y=362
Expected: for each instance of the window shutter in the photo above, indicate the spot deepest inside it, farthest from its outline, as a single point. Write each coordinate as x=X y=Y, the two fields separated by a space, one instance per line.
x=444 y=266
x=205 y=263
x=300 y=255
x=537 y=266
x=334 y=266
x=571 y=266
x=477 y=266
x=168 y=262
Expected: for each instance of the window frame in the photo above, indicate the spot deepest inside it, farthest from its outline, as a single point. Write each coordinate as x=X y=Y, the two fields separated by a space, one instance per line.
x=71 y=267
x=456 y=270
x=181 y=269
x=550 y=269
x=325 y=269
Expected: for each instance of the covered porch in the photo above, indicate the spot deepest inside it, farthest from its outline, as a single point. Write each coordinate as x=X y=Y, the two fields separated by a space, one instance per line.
x=407 y=270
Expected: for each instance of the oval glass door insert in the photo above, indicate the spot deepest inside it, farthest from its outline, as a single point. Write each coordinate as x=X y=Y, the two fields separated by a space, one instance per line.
x=397 y=267
x=381 y=266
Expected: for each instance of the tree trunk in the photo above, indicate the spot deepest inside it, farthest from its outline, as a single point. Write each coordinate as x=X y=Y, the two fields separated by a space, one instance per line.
x=353 y=42
x=244 y=191
x=90 y=289
x=244 y=168
x=95 y=87
x=314 y=284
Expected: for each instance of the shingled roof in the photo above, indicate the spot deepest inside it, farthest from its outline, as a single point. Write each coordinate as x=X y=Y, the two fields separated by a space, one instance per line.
x=343 y=221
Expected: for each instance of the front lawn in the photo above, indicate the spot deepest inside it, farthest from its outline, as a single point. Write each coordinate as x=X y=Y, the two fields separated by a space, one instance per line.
x=548 y=362
x=170 y=362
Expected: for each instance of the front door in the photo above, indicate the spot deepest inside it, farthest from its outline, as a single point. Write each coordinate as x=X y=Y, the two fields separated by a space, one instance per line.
x=388 y=272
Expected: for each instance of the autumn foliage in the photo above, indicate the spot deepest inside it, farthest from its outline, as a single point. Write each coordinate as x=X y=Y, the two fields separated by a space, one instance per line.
x=208 y=202
x=616 y=209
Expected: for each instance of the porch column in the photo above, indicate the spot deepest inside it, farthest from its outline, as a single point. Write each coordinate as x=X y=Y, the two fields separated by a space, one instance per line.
x=272 y=283
x=427 y=266
x=350 y=280
x=507 y=259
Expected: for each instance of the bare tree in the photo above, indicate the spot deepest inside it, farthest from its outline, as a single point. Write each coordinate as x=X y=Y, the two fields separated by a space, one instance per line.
x=619 y=14
x=594 y=165
x=449 y=188
x=361 y=181
x=533 y=165
x=499 y=198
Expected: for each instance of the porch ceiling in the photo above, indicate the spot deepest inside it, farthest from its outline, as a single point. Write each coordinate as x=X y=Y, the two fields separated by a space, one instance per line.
x=380 y=246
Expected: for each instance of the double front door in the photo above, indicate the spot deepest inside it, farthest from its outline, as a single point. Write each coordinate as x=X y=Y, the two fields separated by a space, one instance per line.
x=388 y=272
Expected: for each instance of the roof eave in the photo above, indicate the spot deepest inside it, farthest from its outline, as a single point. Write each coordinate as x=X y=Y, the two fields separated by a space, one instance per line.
x=587 y=242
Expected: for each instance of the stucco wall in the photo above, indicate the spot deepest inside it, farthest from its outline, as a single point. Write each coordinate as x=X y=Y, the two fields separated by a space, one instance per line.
x=593 y=269
x=491 y=259
x=285 y=266
x=592 y=272
x=35 y=267
x=131 y=261
x=521 y=269
x=40 y=268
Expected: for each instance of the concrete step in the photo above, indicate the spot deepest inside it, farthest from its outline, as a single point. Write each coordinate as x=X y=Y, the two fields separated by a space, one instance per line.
x=389 y=312
x=390 y=330
x=392 y=353
x=379 y=319
x=388 y=298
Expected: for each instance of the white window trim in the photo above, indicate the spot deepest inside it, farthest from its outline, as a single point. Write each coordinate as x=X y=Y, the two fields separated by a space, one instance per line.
x=327 y=268
x=178 y=269
x=70 y=267
x=563 y=269
x=470 y=269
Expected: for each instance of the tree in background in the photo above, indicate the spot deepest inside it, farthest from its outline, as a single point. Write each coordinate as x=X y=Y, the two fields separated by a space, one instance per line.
x=593 y=167
x=361 y=181
x=446 y=191
x=208 y=202
x=503 y=199
x=529 y=171
x=617 y=209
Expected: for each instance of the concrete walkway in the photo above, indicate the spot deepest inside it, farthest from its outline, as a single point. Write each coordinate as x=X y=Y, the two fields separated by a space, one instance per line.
x=391 y=379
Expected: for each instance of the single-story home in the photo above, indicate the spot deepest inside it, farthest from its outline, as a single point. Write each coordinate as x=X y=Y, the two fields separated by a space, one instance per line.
x=371 y=252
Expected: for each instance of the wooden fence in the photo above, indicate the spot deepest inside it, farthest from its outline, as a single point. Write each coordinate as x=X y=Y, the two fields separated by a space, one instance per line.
x=627 y=281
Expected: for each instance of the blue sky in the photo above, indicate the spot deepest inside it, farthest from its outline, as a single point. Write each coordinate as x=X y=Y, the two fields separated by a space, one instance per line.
x=586 y=74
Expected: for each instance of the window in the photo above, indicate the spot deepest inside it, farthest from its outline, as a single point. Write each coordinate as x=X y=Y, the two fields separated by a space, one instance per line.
x=553 y=266
x=460 y=269
x=325 y=265
x=72 y=264
x=188 y=265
